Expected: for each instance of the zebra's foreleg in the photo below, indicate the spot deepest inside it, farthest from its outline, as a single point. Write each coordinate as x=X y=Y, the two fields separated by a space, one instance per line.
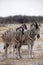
x=18 y=51
x=29 y=49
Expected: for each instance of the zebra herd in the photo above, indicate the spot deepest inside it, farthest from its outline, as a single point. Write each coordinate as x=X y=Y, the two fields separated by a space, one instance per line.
x=21 y=37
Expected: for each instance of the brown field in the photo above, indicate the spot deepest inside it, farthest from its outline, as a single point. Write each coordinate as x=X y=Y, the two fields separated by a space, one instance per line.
x=37 y=50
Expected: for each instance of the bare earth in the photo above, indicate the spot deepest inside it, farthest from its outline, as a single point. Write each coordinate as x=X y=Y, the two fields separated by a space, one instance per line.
x=11 y=60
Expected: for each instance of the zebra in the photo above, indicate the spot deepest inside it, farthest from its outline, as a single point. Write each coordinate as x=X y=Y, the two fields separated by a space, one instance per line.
x=28 y=39
x=10 y=37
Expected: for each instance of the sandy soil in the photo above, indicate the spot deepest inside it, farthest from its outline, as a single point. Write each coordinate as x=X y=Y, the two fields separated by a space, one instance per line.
x=25 y=60
x=11 y=60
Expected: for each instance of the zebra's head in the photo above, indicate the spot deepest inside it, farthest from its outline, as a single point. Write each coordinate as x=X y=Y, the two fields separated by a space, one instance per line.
x=24 y=26
x=35 y=28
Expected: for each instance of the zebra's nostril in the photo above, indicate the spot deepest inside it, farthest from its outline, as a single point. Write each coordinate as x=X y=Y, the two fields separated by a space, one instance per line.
x=38 y=36
x=15 y=46
x=4 y=47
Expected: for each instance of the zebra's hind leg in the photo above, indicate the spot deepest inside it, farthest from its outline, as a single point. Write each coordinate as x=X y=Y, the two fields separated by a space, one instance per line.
x=6 y=52
x=6 y=48
x=13 y=49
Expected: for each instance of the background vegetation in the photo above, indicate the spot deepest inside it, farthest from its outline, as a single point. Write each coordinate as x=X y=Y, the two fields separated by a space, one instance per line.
x=20 y=19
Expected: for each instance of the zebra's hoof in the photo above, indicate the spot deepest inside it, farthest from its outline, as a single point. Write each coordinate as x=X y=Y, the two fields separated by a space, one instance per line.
x=30 y=57
x=17 y=58
x=20 y=56
x=10 y=52
x=4 y=55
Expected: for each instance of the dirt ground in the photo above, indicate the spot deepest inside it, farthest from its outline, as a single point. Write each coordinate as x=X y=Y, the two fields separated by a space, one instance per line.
x=11 y=60
x=25 y=60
